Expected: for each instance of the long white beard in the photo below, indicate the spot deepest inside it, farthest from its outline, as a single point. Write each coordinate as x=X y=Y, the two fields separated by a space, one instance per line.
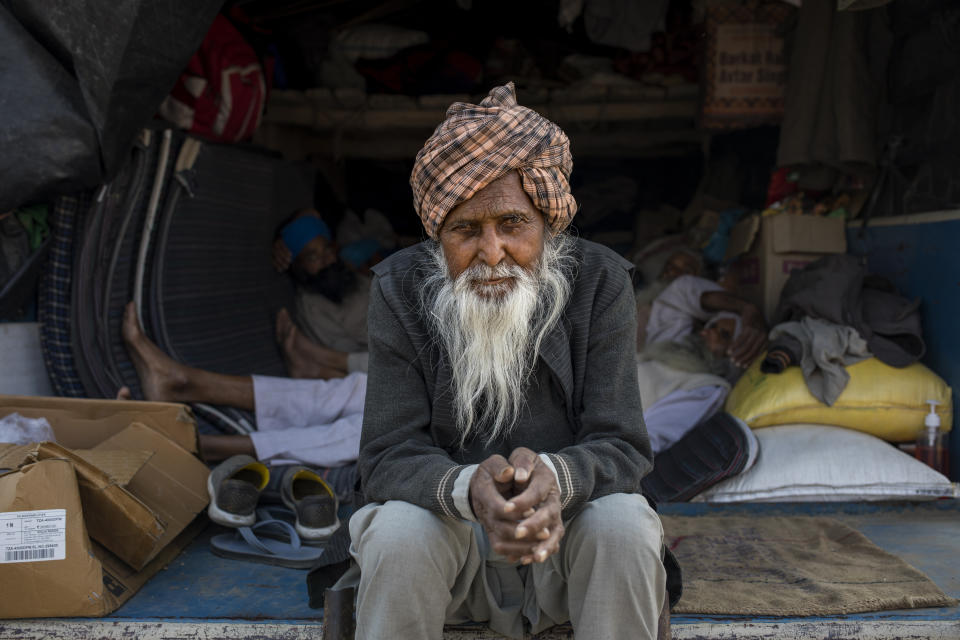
x=493 y=341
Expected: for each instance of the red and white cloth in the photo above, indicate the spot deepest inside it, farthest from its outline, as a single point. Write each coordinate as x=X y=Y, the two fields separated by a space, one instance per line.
x=222 y=93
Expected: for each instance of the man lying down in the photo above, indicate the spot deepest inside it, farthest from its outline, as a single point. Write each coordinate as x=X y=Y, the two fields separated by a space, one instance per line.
x=699 y=338
x=312 y=417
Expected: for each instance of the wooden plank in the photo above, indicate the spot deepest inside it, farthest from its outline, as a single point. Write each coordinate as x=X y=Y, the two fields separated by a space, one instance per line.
x=232 y=630
x=840 y=630
x=567 y=114
x=305 y=114
x=153 y=630
x=297 y=144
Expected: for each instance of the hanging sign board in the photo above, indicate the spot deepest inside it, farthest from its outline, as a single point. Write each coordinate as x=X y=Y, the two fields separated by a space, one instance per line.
x=745 y=69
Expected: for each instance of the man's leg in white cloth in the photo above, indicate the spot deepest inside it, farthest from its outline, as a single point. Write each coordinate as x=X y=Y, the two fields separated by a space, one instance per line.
x=312 y=421
x=671 y=417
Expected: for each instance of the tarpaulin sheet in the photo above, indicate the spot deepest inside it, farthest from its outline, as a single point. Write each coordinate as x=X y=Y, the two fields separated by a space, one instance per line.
x=78 y=79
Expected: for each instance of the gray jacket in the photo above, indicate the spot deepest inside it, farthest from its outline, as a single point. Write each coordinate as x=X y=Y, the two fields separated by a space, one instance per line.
x=583 y=406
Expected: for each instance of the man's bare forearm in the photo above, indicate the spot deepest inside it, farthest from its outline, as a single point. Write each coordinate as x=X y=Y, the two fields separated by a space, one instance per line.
x=725 y=301
x=220 y=447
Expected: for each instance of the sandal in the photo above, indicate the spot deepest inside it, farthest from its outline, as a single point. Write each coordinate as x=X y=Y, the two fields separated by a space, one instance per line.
x=278 y=545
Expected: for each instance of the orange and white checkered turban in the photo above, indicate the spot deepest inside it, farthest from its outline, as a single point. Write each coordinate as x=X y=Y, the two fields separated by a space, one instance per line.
x=476 y=144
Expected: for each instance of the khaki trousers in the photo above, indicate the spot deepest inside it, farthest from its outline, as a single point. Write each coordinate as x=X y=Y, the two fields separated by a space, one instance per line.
x=419 y=571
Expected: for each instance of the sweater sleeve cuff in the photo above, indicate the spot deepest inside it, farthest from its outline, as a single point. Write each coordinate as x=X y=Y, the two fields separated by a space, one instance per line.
x=547 y=461
x=461 y=492
x=444 y=491
x=565 y=480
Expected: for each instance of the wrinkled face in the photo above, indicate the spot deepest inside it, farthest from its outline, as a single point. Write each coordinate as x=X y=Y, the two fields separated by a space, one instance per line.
x=679 y=264
x=498 y=226
x=719 y=335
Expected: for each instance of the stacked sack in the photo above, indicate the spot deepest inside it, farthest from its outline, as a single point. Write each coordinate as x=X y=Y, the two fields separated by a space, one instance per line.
x=825 y=422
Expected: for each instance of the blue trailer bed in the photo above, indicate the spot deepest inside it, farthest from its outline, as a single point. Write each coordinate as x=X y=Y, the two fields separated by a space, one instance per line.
x=202 y=596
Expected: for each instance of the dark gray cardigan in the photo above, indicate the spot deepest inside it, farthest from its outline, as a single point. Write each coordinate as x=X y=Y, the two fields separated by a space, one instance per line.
x=583 y=406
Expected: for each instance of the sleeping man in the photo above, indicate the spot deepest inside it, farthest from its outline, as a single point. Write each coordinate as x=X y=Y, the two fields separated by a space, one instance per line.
x=699 y=338
x=312 y=417
x=682 y=262
x=331 y=300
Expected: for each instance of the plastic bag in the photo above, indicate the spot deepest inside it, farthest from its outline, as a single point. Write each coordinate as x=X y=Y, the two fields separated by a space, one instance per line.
x=18 y=429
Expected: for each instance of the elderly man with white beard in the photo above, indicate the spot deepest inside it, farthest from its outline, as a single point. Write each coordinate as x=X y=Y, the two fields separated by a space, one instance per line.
x=503 y=442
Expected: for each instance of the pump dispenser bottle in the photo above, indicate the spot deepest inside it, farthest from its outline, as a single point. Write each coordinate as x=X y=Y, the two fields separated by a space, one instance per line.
x=931 y=445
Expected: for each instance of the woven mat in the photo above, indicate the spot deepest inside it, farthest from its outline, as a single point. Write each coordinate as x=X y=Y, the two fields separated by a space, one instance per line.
x=790 y=566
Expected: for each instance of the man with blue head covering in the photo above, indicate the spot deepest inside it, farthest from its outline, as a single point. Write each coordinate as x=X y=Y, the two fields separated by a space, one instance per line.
x=306 y=245
x=332 y=297
x=312 y=417
x=307 y=231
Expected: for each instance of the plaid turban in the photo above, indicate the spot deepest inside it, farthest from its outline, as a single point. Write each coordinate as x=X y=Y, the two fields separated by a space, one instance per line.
x=477 y=144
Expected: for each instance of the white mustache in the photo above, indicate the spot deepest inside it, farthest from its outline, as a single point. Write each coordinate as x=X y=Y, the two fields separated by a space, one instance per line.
x=482 y=272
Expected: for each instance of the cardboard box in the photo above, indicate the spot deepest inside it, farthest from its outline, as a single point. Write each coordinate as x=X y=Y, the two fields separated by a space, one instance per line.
x=84 y=522
x=83 y=424
x=771 y=248
x=114 y=517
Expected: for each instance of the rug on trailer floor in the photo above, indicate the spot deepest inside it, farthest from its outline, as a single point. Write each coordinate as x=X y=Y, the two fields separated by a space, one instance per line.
x=790 y=566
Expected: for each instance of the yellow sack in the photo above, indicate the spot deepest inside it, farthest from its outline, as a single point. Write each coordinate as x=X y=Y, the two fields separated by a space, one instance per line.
x=881 y=400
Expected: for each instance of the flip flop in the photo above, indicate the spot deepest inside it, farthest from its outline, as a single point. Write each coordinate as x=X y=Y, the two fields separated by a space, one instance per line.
x=283 y=550
x=279 y=512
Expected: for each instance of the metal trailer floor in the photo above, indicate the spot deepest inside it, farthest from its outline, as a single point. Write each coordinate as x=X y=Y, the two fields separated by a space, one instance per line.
x=202 y=596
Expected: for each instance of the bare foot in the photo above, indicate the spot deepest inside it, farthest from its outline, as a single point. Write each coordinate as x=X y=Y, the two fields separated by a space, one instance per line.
x=303 y=357
x=161 y=378
x=124 y=393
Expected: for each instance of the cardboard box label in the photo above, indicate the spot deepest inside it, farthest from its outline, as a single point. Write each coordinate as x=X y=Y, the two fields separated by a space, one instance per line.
x=789 y=266
x=33 y=536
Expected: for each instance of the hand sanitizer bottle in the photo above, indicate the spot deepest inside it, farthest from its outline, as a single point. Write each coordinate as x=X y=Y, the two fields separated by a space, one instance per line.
x=931 y=446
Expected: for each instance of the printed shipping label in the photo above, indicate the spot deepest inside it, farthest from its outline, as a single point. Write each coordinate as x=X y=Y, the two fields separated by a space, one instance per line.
x=33 y=536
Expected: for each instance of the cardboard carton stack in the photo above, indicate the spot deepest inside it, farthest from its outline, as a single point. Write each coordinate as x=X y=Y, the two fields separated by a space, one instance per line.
x=87 y=520
x=770 y=248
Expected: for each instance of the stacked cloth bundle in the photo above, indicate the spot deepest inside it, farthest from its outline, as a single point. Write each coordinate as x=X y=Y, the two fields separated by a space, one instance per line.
x=832 y=314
